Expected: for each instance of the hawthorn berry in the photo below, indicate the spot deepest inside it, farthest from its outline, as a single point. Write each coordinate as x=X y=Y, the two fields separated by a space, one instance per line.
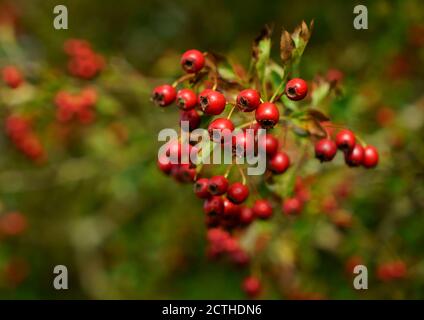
x=201 y=188
x=243 y=143
x=296 y=89
x=218 y=185
x=269 y=144
x=231 y=209
x=325 y=150
x=184 y=173
x=345 y=140
x=192 y=61
x=246 y=215
x=292 y=206
x=212 y=102
x=164 y=164
x=12 y=76
x=279 y=163
x=164 y=95
x=237 y=192
x=262 y=209
x=267 y=115
x=192 y=117
x=252 y=286
x=248 y=100
x=220 y=129
x=186 y=99
x=370 y=159
x=355 y=157
x=213 y=206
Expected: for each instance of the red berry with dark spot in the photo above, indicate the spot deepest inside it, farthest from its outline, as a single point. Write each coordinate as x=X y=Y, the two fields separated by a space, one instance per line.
x=267 y=115
x=212 y=102
x=220 y=130
x=218 y=185
x=269 y=144
x=355 y=157
x=292 y=206
x=262 y=209
x=252 y=286
x=370 y=157
x=345 y=140
x=164 y=95
x=325 y=150
x=296 y=89
x=237 y=192
x=243 y=143
x=248 y=100
x=201 y=188
x=192 y=117
x=186 y=99
x=279 y=163
x=164 y=164
x=231 y=209
x=192 y=61
x=213 y=206
x=246 y=216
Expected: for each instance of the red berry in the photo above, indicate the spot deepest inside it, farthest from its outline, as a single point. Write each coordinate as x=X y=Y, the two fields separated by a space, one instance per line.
x=370 y=157
x=212 y=102
x=12 y=76
x=220 y=129
x=164 y=95
x=174 y=151
x=325 y=150
x=355 y=157
x=267 y=115
x=231 y=209
x=246 y=216
x=262 y=209
x=248 y=100
x=164 y=164
x=192 y=117
x=237 y=192
x=192 y=61
x=186 y=99
x=279 y=163
x=296 y=89
x=345 y=140
x=218 y=185
x=292 y=206
x=201 y=188
x=213 y=206
x=269 y=144
x=243 y=143
x=252 y=286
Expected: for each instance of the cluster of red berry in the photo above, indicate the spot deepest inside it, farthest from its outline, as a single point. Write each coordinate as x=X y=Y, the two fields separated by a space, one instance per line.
x=23 y=137
x=84 y=62
x=76 y=106
x=12 y=76
x=392 y=270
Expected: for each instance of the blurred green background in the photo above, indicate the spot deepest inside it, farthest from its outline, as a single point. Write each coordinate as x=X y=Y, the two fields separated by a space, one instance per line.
x=100 y=206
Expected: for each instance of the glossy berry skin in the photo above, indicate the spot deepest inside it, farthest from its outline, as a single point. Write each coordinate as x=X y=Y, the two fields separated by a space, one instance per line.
x=370 y=157
x=213 y=206
x=201 y=188
x=220 y=129
x=12 y=77
x=246 y=216
x=218 y=185
x=252 y=286
x=279 y=163
x=186 y=99
x=164 y=95
x=325 y=150
x=237 y=192
x=292 y=206
x=269 y=144
x=262 y=209
x=243 y=144
x=164 y=164
x=355 y=157
x=212 y=102
x=345 y=140
x=248 y=100
x=231 y=209
x=267 y=115
x=192 y=61
x=192 y=117
x=296 y=89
